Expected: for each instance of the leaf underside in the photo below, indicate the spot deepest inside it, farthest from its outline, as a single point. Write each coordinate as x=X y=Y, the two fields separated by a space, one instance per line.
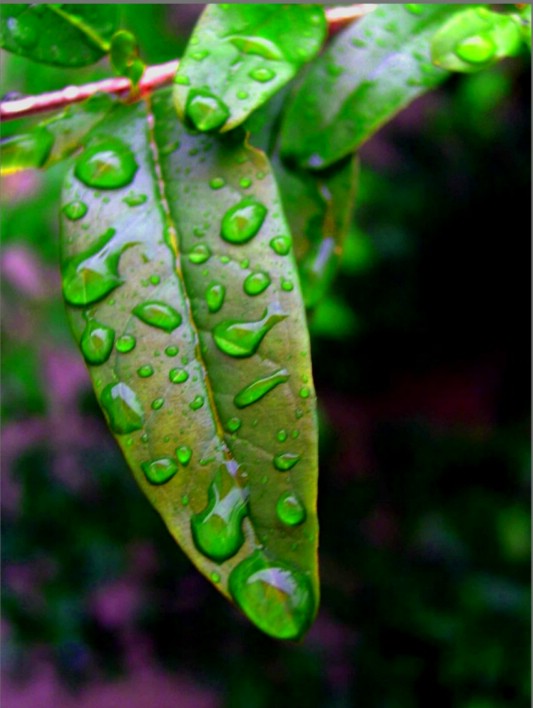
x=199 y=349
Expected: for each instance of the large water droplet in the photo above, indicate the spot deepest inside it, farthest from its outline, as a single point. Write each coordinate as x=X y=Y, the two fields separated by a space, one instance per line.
x=476 y=50
x=274 y=595
x=290 y=509
x=285 y=461
x=122 y=407
x=158 y=314
x=233 y=424
x=259 y=388
x=200 y=254
x=107 y=165
x=159 y=471
x=93 y=274
x=262 y=74
x=75 y=210
x=125 y=343
x=258 y=46
x=243 y=220
x=214 y=296
x=96 y=342
x=242 y=339
x=217 y=531
x=184 y=454
x=256 y=283
x=206 y=111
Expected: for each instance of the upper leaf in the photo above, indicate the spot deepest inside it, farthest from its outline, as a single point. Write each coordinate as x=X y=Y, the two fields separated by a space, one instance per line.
x=239 y=56
x=369 y=73
x=58 y=34
x=190 y=318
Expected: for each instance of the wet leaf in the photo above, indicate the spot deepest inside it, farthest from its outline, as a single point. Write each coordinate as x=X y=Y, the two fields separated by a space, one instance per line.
x=239 y=55
x=58 y=34
x=370 y=71
x=202 y=377
x=124 y=55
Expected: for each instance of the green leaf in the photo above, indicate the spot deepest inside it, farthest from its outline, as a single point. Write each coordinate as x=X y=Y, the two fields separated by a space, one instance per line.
x=475 y=39
x=58 y=34
x=239 y=56
x=194 y=331
x=125 y=56
x=54 y=139
x=371 y=71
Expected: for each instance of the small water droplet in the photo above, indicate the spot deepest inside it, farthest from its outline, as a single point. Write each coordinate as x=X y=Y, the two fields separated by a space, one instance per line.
x=206 y=111
x=242 y=95
x=259 y=388
x=182 y=80
x=243 y=220
x=214 y=297
x=125 y=343
x=285 y=461
x=200 y=254
x=197 y=403
x=172 y=350
x=185 y=500
x=358 y=43
x=215 y=577
x=242 y=339
x=476 y=50
x=217 y=531
x=159 y=471
x=199 y=54
x=217 y=183
x=295 y=434
x=135 y=199
x=75 y=210
x=245 y=182
x=287 y=285
x=256 y=283
x=298 y=413
x=225 y=260
x=273 y=595
x=145 y=371
x=233 y=424
x=282 y=435
x=258 y=46
x=281 y=245
x=158 y=314
x=109 y=164
x=96 y=342
x=262 y=74
x=414 y=8
x=178 y=376
x=290 y=509
x=157 y=403
x=144 y=438
x=305 y=392
x=122 y=407
x=184 y=454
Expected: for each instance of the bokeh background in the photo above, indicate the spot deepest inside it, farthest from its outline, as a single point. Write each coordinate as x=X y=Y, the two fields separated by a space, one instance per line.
x=421 y=355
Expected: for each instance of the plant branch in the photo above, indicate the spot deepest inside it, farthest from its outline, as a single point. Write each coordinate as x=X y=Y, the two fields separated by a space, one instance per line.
x=153 y=77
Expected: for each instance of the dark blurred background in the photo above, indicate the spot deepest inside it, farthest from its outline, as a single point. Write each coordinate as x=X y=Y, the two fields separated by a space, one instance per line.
x=421 y=355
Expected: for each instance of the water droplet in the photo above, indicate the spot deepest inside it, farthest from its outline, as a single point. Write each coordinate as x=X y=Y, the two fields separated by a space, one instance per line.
x=262 y=74
x=96 y=342
x=476 y=50
x=200 y=254
x=178 y=376
x=242 y=95
x=242 y=339
x=286 y=461
x=206 y=111
x=245 y=182
x=305 y=392
x=75 y=210
x=282 y=435
x=125 y=343
x=144 y=438
x=414 y=8
x=122 y=407
x=299 y=413
x=145 y=371
x=217 y=531
x=184 y=454
x=273 y=595
x=215 y=577
x=281 y=245
x=199 y=54
x=159 y=471
x=243 y=220
x=334 y=70
x=259 y=388
x=197 y=403
x=295 y=434
x=258 y=46
x=290 y=509
x=157 y=403
x=93 y=274
x=287 y=285
x=185 y=500
x=214 y=296
x=155 y=279
x=233 y=424
x=158 y=314
x=217 y=183
x=172 y=350
x=256 y=283
x=182 y=80
x=107 y=165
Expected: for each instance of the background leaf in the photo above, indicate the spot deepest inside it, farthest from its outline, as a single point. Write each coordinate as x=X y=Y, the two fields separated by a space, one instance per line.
x=183 y=326
x=240 y=55
x=372 y=70
x=58 y=34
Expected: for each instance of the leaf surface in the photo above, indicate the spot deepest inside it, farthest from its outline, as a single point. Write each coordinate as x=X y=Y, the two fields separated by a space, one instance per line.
x=206 y=387
x=239 y=55
x=58 y=34
x=371 y=70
